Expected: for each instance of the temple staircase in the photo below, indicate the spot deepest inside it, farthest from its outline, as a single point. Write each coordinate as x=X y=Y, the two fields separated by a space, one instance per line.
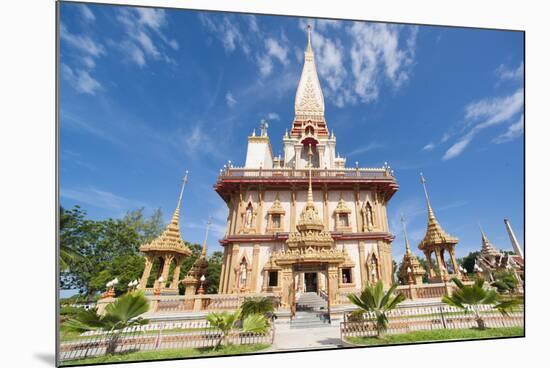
x=310 y=302
x=311 y=311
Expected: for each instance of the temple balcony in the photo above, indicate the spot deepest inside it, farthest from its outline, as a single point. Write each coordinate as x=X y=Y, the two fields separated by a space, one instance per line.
x=380 y=179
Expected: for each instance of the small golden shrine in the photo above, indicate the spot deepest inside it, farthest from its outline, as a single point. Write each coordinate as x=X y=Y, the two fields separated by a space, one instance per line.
x=410 y=270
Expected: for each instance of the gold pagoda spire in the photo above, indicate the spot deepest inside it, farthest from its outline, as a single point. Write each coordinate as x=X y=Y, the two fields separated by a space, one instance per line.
x=203 y=254
x=407 y=246
x=176 y=215
x=430 y=211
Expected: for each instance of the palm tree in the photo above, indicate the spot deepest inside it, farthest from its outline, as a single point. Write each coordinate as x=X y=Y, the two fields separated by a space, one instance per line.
x=373 y=299
x=256 y=323
x=470 y=297
x=259 y=305
x=124 y=312
x=224 y=321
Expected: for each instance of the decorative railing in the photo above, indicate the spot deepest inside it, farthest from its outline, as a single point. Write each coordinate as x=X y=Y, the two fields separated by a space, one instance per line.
x=403 y=320
x=346 y=173
x=206 y=302
x=197 y=334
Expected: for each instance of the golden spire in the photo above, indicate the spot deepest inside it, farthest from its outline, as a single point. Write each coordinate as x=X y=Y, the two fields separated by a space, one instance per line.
x=407 y=247
x=203 y=254
x=176 y=215
x=430 y=211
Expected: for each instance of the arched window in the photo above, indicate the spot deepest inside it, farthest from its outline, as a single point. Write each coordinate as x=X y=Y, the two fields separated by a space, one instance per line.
x=310 y=130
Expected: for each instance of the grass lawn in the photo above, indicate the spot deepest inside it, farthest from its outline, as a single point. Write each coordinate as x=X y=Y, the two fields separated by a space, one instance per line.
x=438 y=335
x=170 y=354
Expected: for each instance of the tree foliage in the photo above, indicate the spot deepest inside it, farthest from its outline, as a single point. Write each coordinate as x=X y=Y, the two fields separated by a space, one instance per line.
x=374 y=299
x=470 y=297
x=258 y=305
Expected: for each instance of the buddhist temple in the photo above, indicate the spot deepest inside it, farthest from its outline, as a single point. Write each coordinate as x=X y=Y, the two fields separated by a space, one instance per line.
x=437 y=242
x=303 y=222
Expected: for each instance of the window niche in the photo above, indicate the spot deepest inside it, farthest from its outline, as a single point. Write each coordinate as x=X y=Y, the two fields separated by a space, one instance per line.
x=275 y=217
x=342 y=216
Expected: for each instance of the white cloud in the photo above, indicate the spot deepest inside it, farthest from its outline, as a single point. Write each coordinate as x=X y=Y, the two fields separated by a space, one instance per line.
x=80 y=80
x=429 y=147
x=84 y=44
x=265 y=64
x=376 y=50
x=277 y=50
x=273 y=116
x=144 y=37
x=228 y=32
x=86 y=13
x=514 y=131
x=484 y=114
x=101 y=199
x=364 y=149
x=230 y=100
x=505 y=73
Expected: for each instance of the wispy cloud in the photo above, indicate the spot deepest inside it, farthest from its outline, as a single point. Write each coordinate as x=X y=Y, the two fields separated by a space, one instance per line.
x=483 y=114
x=101 y=199
x=230 y=100
x=144 y=37
x=273 y=116
x=86 y=13
x=71 y=120
x=80 y=80
x=514 y=131
x=506 y=73
x=429 y=147
x=364 y=149
x=228 y=31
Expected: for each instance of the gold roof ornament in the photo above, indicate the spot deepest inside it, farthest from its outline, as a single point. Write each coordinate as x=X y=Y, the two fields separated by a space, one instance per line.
x=487 y=249
x=311 y=229
x=201 y=264
x=170 y=240
x=342 y=207
x=410 y=261
x=435 y=235
x=276 y=207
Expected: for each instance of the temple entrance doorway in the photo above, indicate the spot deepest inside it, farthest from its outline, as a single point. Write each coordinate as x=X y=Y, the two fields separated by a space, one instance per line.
x=311 y=283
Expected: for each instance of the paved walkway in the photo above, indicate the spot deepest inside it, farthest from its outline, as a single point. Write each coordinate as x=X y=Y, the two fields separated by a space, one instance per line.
x=287 y=338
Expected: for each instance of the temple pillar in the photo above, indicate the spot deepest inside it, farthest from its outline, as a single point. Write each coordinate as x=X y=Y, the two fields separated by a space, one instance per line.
x=362 y=264
x=260 y=209
x=358 y=218
x=176 y=275
x=166 y=269
x=332 y=275
x=287 y=286
x=439 y=263
x=255 y=268
x=430 y=270
x=453 y=261
x=265 y=283
x=233 y=268
x=146 y=273
x=222 y=272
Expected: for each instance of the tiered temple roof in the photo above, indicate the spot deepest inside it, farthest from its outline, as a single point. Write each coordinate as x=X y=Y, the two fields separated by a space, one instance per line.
x=435 y=235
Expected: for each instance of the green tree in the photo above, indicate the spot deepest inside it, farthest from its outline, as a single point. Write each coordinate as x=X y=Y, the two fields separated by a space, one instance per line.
x=257 y=305
x=124 y=312
x=125 y=268
x=213 y=272
x=146 y=228
x=505 y=282
x=100 y=244
x=468 y=261
x=374 y=299
x=470 y=297
x=256 y=323
x=224 y=321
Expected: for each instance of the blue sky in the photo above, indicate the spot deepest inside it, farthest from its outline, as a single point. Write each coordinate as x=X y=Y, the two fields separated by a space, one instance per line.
x=147 y=94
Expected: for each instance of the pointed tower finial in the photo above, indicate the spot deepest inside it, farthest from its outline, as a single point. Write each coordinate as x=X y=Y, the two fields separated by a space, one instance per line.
x=407 y=247
x=176 y=215
x=203 y=254
x=430 y=211
x=309 y=38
